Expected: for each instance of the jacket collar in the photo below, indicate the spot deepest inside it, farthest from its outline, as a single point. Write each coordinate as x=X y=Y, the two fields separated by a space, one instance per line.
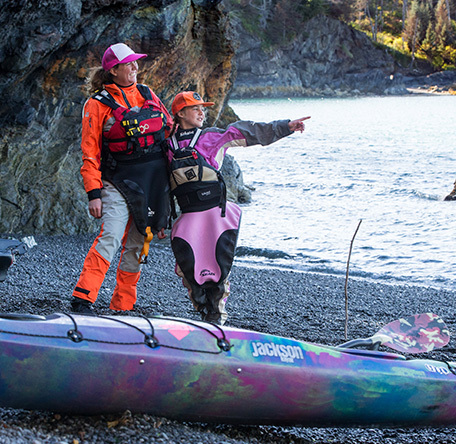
x=115 y=90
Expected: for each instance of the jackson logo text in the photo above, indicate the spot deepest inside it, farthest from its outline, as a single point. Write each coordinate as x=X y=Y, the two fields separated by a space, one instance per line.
x=286 y=353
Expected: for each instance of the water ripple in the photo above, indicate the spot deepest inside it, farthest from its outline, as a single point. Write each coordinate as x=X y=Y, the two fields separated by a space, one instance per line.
x=312 y=189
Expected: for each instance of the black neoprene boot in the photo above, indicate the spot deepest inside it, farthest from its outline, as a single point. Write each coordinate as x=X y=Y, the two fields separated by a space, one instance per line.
x=81 y=306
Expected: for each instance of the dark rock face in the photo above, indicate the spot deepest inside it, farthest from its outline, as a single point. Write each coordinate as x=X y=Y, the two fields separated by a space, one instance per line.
x=328 y=58
x=46 y=49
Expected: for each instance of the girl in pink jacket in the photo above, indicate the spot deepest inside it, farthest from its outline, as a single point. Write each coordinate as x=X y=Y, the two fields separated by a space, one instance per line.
x=204 y=237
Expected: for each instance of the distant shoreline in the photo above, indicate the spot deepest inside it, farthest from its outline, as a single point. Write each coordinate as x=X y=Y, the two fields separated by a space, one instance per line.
x=431 y=91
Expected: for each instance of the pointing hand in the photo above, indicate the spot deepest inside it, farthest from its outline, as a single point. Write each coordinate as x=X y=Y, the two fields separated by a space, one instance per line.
x=298 y=124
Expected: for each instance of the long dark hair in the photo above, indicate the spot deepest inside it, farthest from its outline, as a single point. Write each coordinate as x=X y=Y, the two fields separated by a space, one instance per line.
x=175 y=125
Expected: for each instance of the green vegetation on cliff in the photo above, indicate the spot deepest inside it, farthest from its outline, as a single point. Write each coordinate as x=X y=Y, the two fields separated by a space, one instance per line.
x=414 y=31
x=420 y=30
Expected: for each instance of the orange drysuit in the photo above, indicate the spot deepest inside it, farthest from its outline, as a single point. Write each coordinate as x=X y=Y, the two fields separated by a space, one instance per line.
x=118 y=228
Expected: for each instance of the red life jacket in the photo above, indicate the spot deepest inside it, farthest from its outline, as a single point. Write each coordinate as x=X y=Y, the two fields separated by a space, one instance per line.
x=133 y=160
x=134 y=133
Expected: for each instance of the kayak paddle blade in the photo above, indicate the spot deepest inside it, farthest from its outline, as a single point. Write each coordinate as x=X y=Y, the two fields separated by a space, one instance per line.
x=419 y=333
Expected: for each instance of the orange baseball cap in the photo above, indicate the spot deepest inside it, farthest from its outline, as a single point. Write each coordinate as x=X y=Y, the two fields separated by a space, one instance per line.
x=187 y=98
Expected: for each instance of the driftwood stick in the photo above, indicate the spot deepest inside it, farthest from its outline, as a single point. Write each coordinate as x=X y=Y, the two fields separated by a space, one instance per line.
x=346 y=279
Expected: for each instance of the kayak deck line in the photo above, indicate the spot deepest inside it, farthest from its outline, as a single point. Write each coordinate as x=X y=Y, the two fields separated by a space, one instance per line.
x=393 y=339
x=75 y=335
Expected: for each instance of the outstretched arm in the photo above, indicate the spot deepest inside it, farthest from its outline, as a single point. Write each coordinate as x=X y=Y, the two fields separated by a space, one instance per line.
x=298 y=124
x=214 y=141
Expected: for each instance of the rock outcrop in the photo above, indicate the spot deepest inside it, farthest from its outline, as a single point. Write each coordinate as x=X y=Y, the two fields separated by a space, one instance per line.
x=328 y=58
x=236 y=189
x=46 y=50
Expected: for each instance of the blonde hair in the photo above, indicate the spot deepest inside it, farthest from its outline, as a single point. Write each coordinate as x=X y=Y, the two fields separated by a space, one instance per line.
x=96 y=79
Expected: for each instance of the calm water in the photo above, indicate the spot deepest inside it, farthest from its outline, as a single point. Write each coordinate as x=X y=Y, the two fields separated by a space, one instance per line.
x=388 y=161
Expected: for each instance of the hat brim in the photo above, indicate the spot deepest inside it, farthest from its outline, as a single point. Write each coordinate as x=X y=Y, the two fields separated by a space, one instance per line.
x=130 y=58
x=133 y=57
x=179 y=105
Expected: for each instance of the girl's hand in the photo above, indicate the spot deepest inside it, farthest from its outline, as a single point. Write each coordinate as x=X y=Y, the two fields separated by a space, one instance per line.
x=161 y=234
x=298 y=124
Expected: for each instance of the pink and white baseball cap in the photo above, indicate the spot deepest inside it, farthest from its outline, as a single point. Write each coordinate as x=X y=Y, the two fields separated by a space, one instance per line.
x=119 y=53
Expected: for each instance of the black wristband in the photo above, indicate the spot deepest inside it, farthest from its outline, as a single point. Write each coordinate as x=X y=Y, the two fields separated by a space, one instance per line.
x=94 y=194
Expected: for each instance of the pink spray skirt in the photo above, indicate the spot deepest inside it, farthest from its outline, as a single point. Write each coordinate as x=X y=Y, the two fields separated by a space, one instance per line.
x=204 y=243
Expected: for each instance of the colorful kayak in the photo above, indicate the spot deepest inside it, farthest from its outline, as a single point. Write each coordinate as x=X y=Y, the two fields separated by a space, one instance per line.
x=195 y=371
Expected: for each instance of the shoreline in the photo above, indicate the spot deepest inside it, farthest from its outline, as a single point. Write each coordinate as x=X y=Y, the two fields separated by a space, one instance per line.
x=431 y=91
x=434 y=90
x=353 y=275
x=306 y=306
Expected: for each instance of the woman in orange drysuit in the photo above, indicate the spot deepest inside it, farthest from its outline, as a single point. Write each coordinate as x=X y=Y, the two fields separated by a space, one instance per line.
x=124 y=174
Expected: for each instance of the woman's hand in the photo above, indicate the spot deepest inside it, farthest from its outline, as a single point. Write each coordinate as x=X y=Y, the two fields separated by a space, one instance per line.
x=298 y=124
x=95 y=208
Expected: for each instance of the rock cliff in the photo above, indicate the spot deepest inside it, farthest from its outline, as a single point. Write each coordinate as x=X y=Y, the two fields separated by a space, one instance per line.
x=328 y=58
x=45 y=51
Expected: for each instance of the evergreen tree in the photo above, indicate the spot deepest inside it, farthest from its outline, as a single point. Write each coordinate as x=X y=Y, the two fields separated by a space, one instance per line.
x=425 y=26
x=442 y=24
x=416 y=25
x=288 y=17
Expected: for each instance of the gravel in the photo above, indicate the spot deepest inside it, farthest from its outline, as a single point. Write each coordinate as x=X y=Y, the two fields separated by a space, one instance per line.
x=305 y=306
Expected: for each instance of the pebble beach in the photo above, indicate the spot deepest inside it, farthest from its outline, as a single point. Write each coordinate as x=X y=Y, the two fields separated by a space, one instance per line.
x=305 y=306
